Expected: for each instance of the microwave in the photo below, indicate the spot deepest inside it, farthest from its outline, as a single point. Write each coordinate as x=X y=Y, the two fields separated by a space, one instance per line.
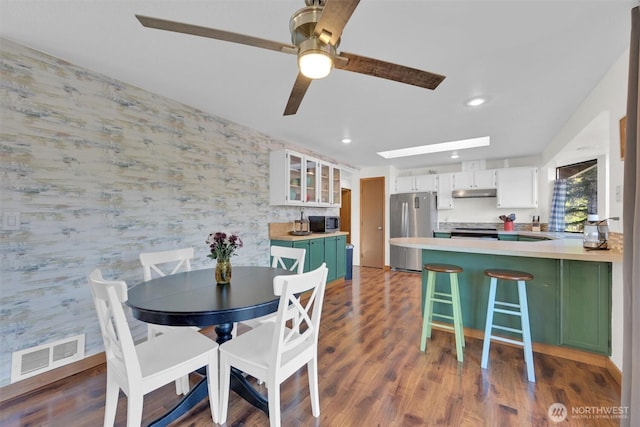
x=324 y=224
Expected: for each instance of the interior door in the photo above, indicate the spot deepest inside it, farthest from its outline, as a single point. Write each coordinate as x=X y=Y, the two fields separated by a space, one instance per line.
x=372 y=232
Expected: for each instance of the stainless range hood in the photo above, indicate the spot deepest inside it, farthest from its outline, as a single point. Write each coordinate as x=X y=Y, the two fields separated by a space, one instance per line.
x=467 y=194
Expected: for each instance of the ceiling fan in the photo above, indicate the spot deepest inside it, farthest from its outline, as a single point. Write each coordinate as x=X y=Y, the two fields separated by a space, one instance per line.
x=315 y=33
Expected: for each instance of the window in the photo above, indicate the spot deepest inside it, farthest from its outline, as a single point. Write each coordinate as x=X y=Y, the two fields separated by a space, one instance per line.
x=582 y=193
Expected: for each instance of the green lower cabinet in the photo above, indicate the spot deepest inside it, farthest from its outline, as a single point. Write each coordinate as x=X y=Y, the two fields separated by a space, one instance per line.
x=316 y=253
x=330 y=250
x=585 y=311
x=335 y=255
x=304 y=244
x=330 y=257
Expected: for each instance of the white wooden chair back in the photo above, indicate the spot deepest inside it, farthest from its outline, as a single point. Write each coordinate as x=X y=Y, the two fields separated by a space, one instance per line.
x=282 y=253
x=160 y=264
x=302 y=311
x=108 y=297
x=179 y=259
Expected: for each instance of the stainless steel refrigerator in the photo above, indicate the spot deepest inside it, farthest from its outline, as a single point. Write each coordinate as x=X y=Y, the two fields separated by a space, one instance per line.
x=411 y=215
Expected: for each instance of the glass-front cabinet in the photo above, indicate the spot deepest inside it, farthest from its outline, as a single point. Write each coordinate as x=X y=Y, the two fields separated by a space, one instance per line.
x=311 y=181
x=325 y=183
x=301 y=180
x=335 y=186
x=329 y=185
x=295 y=178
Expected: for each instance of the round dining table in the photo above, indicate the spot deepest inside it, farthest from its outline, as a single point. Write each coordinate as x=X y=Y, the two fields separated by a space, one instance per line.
x=193 y=298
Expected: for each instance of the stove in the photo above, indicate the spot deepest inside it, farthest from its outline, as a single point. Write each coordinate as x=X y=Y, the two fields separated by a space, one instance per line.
x=487 y=233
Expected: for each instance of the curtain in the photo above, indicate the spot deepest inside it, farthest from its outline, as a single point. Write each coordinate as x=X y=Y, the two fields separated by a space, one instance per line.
x=631 y=229
x=556 y=217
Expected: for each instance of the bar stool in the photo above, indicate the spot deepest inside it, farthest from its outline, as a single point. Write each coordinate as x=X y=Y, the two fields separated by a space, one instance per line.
x=521 y=310
x=452 y=298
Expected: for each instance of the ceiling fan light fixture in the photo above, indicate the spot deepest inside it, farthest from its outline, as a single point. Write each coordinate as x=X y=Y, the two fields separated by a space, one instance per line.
x=315 y=59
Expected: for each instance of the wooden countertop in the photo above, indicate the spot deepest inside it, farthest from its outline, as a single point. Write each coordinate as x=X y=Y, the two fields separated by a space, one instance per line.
x=555 y=249
x=280 y=231
x=292 y=238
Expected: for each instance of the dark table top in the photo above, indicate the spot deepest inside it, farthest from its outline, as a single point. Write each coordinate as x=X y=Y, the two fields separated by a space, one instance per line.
x=194 y=299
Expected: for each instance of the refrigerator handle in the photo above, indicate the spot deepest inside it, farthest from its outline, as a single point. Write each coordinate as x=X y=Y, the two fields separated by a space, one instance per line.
x=405 y=219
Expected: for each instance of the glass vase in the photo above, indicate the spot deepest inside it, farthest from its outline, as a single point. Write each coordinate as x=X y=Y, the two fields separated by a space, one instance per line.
x=223 y=272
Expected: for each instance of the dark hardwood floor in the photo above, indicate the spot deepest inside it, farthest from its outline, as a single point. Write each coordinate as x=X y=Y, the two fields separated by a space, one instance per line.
x=372 y=373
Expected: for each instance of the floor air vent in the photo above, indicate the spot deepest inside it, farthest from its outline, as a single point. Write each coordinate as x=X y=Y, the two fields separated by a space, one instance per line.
x=36 y=360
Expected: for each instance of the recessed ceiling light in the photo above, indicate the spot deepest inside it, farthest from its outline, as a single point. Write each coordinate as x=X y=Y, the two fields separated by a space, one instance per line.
x=346 y=140
x=474 y=102
x=454 y=155
x=436 y=148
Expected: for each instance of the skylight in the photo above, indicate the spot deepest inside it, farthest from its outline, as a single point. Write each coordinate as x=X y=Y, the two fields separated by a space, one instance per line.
x=436 y=148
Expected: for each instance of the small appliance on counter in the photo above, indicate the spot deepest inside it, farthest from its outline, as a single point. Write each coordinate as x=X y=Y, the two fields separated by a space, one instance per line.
x=301 y=226
x=535 y=223
x=324 y=224
x=596 y=233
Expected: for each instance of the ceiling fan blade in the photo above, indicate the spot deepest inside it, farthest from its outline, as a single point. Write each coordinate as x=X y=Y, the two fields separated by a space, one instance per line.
x=334 y=17
x=297 y=93
x=389 y=71
x=212 y=33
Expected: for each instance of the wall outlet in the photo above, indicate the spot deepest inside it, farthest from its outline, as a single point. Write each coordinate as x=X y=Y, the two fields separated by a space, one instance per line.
x=619 y=193
x=10 y=221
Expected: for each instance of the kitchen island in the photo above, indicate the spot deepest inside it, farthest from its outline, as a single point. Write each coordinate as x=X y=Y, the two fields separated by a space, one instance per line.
x=569 y=297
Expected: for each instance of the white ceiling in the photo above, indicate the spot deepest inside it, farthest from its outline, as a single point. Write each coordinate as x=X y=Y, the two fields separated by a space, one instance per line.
x=535 y=61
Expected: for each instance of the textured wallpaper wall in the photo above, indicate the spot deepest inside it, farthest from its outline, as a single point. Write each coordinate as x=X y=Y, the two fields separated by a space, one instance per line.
x=100 y=171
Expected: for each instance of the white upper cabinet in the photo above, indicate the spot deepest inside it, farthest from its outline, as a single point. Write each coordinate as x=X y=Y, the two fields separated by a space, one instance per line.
x=418 y=183
x=471 y=180
x=445 y=186
x=301 y=180
x=405 y=184
x=517 y=187
x=426 y=183
x=484 y=179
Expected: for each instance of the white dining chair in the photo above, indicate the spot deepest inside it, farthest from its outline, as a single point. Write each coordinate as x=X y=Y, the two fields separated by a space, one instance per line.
x=295 y=256
x=273 y=351
x=160 y=264
x=291 y=259
x=140 y=369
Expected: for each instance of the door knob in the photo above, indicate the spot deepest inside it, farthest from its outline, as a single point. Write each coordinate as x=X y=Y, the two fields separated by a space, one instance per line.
x=379 y=228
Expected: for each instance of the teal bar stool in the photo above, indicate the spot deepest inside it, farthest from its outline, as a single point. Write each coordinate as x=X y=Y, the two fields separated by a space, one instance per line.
x=519 y=310
x=452 y=298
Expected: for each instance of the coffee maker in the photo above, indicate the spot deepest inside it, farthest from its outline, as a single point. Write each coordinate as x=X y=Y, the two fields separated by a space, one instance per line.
x=596 y=233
